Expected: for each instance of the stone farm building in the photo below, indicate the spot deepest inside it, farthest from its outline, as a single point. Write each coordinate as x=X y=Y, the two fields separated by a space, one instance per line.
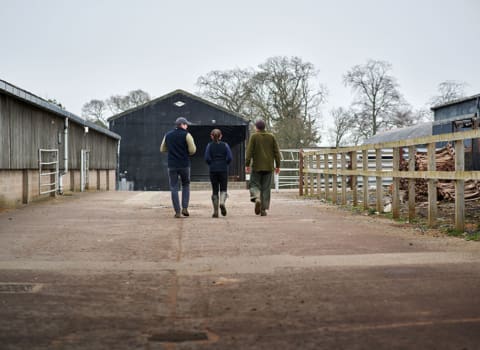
x=46 y=150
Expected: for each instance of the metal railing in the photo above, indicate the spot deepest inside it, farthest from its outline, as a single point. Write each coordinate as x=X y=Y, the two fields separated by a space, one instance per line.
x=289 y=169
x=47 y=169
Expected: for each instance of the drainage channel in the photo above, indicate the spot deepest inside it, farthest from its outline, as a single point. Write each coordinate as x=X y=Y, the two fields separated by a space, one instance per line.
x=183 y=337
x=178 y=337
x=15 y=288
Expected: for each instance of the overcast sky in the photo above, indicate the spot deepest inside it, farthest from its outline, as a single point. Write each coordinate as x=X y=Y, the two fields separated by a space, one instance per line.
x=75 y=51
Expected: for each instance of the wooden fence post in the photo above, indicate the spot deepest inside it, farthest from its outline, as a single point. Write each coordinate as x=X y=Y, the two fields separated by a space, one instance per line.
x=300 y=173
x=378 y=167
x=353 y=161
x=319 y=176
x=432 y=186
x=311 y=175
x=460 y=186
x=365 y=179
x=326 y=176
x=334 y=178
x=396 y=184
x=344 y=179
x=411 y=184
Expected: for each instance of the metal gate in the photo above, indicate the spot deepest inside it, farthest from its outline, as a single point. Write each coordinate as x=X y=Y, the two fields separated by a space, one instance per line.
x=84 y=169
x=289 y=169
x=47 y=170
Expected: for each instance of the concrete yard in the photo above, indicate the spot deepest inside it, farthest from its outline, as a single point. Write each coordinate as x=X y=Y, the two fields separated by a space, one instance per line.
x=115 y=270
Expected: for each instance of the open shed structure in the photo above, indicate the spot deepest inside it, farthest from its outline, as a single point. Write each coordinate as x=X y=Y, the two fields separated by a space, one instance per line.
x=142 y=129
x=455 y=116
x=45 y=150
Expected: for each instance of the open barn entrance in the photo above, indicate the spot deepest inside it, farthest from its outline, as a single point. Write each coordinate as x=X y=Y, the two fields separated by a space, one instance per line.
x=235 y=136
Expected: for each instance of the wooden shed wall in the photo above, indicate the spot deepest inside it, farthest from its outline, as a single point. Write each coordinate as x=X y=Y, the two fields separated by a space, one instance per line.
x=25 y=128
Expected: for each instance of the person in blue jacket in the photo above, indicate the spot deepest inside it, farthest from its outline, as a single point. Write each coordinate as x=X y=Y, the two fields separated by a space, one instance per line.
x=218 y=156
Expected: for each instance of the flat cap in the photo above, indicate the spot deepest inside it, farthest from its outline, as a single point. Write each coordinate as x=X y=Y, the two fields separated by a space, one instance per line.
x=181 y=120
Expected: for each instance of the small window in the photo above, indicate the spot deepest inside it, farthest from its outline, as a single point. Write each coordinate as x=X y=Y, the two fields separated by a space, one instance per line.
x=179 y=103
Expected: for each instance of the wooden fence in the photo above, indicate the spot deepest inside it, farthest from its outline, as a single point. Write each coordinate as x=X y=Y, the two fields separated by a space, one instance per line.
x=324 y=172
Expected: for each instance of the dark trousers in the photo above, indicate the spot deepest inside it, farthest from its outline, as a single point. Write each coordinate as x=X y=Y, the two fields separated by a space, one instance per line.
x=260 y=186
x=173 y=175
x=219 y=181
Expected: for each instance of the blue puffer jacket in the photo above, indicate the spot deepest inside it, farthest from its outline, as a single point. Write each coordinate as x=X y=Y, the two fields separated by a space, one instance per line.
x=218 y=156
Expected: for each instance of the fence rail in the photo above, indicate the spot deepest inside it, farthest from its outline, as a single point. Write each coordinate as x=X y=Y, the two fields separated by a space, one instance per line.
x=325 y=170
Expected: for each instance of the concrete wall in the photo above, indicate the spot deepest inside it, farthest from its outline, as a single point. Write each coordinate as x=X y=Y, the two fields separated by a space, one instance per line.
x=19 y=187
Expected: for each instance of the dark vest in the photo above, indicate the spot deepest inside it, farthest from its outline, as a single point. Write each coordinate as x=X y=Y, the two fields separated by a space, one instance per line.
x=176 y=141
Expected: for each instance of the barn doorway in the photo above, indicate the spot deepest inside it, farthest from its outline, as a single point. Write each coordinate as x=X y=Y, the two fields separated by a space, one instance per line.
x=235 y=136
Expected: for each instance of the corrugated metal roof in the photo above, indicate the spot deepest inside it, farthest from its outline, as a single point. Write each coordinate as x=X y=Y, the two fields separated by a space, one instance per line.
x=414 y=131
x=410 y=132
x=40 y=102
x=460 y=100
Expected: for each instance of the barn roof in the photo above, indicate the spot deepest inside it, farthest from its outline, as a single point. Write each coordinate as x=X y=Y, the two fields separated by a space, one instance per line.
x=460 y=100
x=410 y=132
x=32 y=99
x=241 y=118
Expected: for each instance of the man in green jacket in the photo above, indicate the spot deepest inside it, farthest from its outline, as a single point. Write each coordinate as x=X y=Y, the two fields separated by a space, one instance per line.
x=262 y=152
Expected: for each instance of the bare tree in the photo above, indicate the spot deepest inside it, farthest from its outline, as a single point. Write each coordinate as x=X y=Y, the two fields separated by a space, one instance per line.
x=449 y=90
x=288 y=86
x=342 y=130
x=402 y=118
x=120 y=103
x=95 y=111
x=280 y=91
x=138 y=98
x=227 y=88
x=377 y=96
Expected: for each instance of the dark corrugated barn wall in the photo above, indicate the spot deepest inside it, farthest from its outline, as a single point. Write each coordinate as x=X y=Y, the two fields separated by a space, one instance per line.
x=458 y=116
x=26 y=127
x=143 y=128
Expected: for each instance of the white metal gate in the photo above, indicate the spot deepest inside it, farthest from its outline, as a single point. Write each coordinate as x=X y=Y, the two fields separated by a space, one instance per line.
x=84 y=169
x=47 y=170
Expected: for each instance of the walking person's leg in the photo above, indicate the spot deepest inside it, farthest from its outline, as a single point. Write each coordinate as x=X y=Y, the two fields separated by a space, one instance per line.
x=185 y=178
x=223 y=182
x=173 y=182
x=255 y=190
x=215 y=200
x=266 y=189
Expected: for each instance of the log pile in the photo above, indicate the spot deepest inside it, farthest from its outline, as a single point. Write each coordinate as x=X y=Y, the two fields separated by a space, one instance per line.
x=445 y=161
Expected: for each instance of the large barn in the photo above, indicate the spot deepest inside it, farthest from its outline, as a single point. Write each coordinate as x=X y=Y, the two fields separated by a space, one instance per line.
x=142 y=129
x=46 y=150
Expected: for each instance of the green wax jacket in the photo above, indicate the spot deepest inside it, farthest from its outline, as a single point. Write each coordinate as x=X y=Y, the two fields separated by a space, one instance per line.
x=262 y=152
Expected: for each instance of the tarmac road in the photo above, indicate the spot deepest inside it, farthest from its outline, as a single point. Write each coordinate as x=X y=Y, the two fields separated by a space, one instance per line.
x=115 y=270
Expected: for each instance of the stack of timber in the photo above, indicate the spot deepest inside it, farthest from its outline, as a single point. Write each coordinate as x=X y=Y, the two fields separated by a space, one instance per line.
x=445 y=161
